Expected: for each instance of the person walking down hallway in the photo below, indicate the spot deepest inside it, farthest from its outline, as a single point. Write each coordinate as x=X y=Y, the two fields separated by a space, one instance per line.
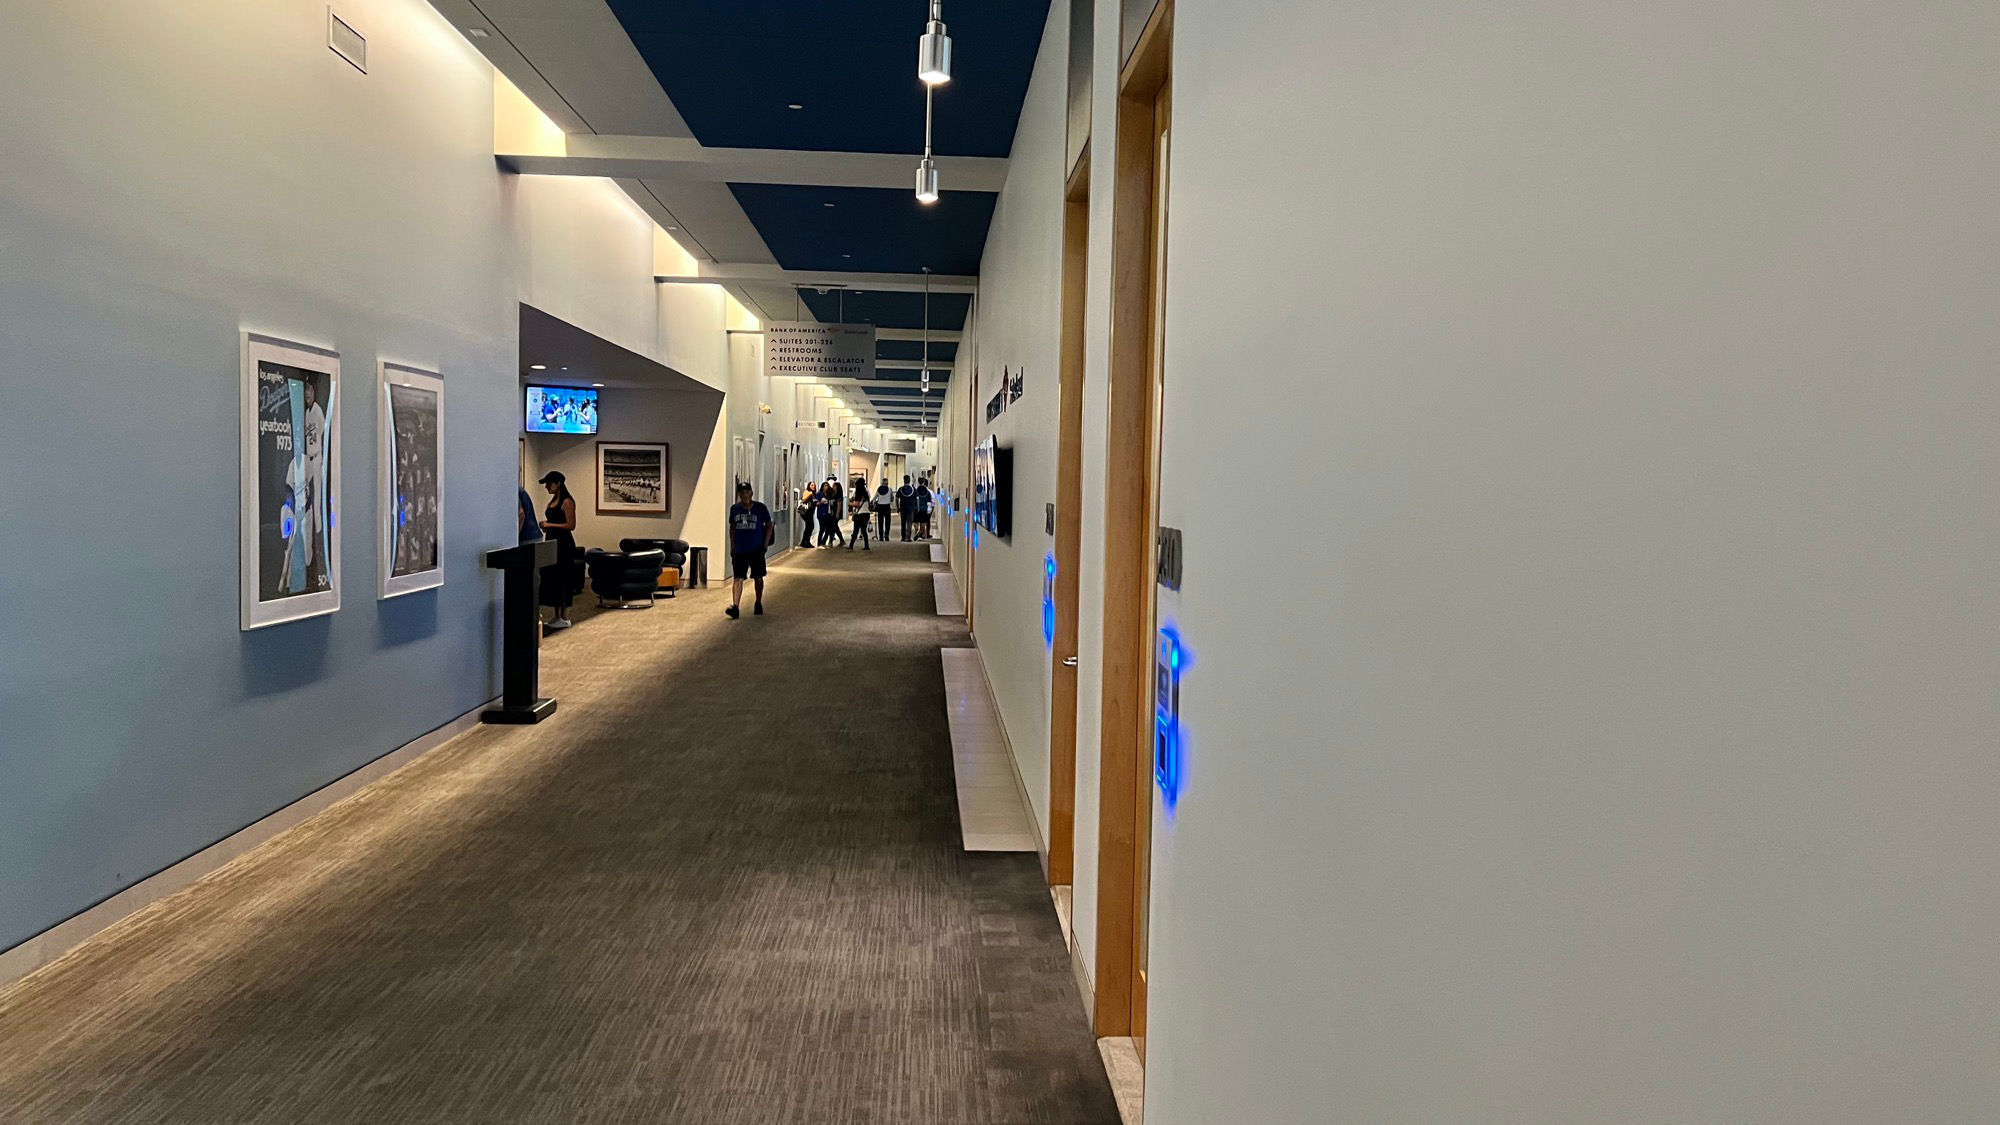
x=884 y=500
x=559 y=523
x=922 y=502
x=857 y=507
x=906 y=505
x=751 y=533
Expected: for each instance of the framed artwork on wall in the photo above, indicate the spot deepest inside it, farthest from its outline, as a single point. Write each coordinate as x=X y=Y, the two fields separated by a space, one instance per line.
x=410 y=472
x=631 y=478
x=289 y=431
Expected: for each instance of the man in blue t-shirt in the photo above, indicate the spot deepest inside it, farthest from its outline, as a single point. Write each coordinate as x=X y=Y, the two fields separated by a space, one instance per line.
x=750 y=534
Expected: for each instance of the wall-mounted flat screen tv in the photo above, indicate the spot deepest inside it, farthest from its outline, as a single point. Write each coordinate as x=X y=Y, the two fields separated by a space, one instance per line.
x=992 y=481
x=562 y=410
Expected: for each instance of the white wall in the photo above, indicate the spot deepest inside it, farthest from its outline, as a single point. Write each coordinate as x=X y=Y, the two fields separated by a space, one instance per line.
x=583 y=253
x=1016 y=326
x=1619 y=743
x=162 y=191
x=1016 y=320
x=159 y=194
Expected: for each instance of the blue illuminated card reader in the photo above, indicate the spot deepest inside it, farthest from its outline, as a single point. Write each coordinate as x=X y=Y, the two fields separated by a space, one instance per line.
x=1049 y=599
x=1167 y=716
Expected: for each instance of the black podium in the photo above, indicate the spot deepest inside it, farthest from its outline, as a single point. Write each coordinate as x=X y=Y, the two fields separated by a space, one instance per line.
x=520 y=624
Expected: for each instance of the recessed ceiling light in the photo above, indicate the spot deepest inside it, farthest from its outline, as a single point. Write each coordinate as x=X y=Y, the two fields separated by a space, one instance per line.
x=847 y=255
x=538 y=367
x=795 y=105
x=565 y=369
x=597 y=384
x=826 y=205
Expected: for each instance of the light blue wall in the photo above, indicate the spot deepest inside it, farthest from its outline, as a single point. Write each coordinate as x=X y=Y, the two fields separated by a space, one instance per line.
x=152 y=203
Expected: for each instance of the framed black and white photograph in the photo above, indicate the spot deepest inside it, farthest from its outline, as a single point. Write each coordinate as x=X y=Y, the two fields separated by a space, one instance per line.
x=288 y=530
x=631 y=477
x=410 y=511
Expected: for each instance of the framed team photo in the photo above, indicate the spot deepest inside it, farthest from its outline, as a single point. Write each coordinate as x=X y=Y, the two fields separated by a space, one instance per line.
x=289 y=531
x=631 y=477
x=410 y=512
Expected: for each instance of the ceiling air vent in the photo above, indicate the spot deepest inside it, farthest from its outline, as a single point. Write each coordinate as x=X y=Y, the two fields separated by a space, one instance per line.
x=346 y=42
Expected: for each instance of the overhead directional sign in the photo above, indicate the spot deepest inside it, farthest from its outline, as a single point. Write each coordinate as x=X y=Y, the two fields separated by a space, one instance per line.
x=819 y=351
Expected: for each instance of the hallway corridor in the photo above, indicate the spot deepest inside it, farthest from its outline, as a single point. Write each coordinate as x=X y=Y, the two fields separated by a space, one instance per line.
x=722 y=885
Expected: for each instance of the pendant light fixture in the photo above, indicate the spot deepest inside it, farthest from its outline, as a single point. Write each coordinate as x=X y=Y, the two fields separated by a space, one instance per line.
x=927 y=172
x=934 y=49
x=934 y=69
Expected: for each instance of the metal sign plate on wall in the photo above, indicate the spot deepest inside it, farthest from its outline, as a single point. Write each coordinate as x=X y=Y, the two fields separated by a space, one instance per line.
x=1168 y=554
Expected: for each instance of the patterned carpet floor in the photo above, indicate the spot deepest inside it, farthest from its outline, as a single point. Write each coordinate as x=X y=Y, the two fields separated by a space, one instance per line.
x=722 y=885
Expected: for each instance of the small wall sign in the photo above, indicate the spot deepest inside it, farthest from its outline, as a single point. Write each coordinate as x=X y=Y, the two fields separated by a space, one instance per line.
x=1168 y=567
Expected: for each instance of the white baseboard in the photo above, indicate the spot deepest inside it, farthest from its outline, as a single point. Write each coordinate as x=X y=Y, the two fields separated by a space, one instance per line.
x=64 y=936
x=1127 y=1075
x=1014 y=760
x=1086 y=990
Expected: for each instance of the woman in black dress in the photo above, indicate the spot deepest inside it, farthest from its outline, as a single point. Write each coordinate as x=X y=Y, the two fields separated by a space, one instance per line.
x=559 y=523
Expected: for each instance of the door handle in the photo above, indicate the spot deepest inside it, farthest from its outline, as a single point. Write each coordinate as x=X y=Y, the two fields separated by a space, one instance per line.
x=1069 y=661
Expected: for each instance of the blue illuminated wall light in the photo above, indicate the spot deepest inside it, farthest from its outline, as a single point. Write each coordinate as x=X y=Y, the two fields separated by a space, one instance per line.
x=1049 y=599
x=1171 y=661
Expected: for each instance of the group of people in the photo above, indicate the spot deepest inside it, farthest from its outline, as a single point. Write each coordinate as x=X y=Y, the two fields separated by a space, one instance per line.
x=751 y=529
x=820 y=510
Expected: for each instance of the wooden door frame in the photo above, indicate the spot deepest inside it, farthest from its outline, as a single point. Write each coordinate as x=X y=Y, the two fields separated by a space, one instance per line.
x=1069 y=528
x=1125 y=727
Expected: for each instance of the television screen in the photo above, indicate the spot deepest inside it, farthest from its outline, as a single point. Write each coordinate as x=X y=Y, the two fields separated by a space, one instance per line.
x=992 y=476
x=562 y=410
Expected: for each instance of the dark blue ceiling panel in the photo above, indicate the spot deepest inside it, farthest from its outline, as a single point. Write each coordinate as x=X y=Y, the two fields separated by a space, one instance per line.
x=869 y=230
x=914 y=349
x=889 y=310
x=732 y=67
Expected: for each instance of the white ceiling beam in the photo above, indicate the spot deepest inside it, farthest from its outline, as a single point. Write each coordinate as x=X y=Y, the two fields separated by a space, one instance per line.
x=686 y=159
x=939 y=376
x=916 y=334
x=938 y=366
x=741 y=273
